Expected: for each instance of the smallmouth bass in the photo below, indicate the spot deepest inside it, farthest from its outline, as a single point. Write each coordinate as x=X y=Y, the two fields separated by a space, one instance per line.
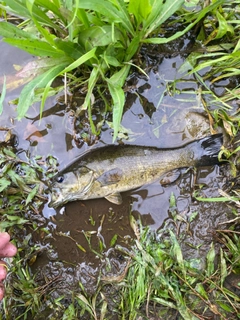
x=107 y=171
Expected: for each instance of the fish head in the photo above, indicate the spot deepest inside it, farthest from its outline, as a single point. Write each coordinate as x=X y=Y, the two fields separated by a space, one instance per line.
x=70 y=186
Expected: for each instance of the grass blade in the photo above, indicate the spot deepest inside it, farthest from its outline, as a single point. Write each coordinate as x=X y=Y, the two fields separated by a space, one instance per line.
x=89 y=55
x=20 y=9
x=118 y=97
x=8 y=30
x=35 y=47
x=108 y=10
x=178 y=34
x=3 y=94
x=167 y=9
x=27 y=95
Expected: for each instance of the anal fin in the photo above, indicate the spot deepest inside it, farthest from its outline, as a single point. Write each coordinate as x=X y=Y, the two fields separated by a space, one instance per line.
x=115 y=198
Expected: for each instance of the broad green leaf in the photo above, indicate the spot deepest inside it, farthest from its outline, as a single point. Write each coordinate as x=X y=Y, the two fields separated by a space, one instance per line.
x=32 y=194
x=166 y=10
x=140 y=9
x=49 y=37
x=20 y=9
x=210 y=261
x=178 y=34
x=35 y=47
x=53 y=6
x=9 y=153
x=227 y=307
x=87 y=56
x=237 y=47
x=224 y=271
x=8 y=30
x=211 y=62
x=71 y=49
x=80 y=247
x=156 y=9
x=172 y=200
x=91 y=84
x=15 y=178
x=193 y=215
x=119 y=78
x=14 y=220
x=177 y=252
x=56 y=2
x=132 y=48
x=109 y=10
x=29 y=5
x=165 y=302
x=200 y=289
x=74 y=10
x=118 y=97
x=69 y=313
x=27 y=95
x=97 y=36
x=84 y=58
x=110 y=60
x=113 y=240
x=115 y=84
x=3 y=94
x=4 y=183
x=223 y=26
x=82 y=16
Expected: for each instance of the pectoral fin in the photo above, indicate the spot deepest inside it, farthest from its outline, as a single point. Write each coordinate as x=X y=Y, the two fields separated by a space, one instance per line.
x=115 y=198
x=110 y=177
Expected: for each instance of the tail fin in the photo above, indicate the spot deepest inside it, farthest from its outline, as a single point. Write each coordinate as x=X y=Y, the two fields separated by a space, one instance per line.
x=210 y=147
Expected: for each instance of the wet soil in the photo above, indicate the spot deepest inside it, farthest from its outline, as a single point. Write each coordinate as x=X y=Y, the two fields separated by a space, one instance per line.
x=163 y=110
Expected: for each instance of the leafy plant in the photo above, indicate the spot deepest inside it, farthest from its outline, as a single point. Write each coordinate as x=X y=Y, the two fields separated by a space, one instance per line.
x=99 y=38
x=220 y=60
x=22 y=191
x=222 y=64
x=159 y=274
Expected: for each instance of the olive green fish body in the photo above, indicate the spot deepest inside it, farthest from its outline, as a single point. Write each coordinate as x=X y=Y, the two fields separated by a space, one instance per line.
x=107 y=171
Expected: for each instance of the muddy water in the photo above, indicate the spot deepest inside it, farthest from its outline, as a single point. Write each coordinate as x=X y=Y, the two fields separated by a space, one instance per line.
x=82 y=233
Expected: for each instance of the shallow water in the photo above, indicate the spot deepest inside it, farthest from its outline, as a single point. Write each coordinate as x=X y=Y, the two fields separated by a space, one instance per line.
x=153 y=116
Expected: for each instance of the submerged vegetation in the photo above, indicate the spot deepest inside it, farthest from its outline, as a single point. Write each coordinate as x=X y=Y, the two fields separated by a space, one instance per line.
x=94 y=46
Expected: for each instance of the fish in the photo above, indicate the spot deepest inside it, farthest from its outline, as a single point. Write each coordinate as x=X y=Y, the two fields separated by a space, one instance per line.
x=106 y=172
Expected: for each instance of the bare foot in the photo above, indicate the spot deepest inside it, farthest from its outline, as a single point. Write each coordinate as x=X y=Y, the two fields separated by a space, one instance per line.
x=7 y=249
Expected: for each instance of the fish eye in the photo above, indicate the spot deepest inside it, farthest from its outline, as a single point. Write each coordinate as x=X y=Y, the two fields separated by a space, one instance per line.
x=60 y=179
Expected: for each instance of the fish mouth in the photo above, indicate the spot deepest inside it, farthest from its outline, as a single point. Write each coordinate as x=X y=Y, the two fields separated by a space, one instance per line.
x=56 y=199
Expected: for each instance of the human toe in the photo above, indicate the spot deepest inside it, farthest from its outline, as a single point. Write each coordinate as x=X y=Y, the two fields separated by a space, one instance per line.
x=4 y=239
x=3 y=270
x=8 y=251
x=1 y=291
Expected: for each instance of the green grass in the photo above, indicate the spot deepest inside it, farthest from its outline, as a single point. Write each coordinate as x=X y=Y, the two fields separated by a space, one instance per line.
x=99 y=39
x=156 y=279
